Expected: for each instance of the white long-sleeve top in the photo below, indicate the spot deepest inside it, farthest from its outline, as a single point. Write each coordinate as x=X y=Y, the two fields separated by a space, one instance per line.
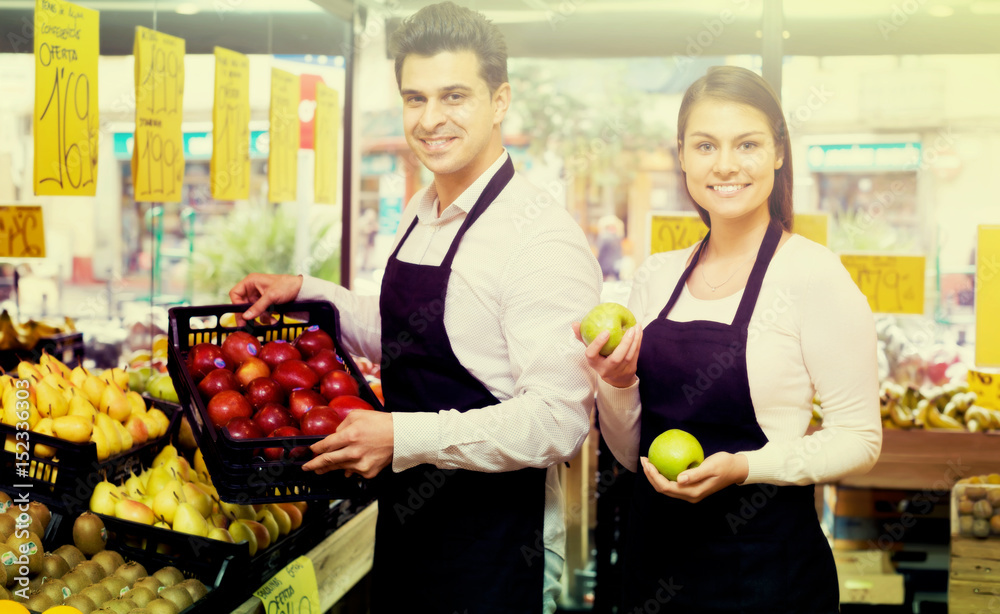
x=523 y=273
x=811 y=334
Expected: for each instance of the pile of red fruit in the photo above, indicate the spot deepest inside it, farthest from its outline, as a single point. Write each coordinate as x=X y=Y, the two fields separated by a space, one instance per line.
x=277 y=390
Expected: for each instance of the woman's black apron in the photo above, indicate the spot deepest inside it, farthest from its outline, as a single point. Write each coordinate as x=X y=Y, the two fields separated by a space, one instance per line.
x=448 y=541
x=744 y=549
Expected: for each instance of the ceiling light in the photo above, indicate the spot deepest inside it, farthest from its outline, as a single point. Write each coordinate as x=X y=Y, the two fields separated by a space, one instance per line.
x=187 y=8
x=940 y=10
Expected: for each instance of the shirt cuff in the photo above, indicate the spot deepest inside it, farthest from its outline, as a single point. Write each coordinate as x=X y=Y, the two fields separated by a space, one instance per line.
x=618 y=397
x=313 y=289
x=415 y=439
x=764 y=466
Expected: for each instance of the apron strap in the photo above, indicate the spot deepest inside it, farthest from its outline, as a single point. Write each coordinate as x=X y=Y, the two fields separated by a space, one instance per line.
x=490 y=192
x=752 y=290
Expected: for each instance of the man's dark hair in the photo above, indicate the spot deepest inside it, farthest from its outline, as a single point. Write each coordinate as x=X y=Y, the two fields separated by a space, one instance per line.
x=448 y=27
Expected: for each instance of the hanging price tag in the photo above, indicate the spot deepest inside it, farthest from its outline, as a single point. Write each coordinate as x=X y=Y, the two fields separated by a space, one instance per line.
x=158 y=154
x=988 y=297
x=230 y=165
x=985 y=382
x=670 y=232
x=65 y=119
x=21 y=232
x=283 y=133
x=893 y=284
x=327 y=142
x=292 y=590
x=813 y=226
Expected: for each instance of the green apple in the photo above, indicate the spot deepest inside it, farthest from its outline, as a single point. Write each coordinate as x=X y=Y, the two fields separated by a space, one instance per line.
x=611 y=317
x=674 y=451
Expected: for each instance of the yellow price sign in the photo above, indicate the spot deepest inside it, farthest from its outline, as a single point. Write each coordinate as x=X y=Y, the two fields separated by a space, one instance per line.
x=986 y=384
x=670 y=232
x=292 y=590
x=813 y=226
x=158 y=154
x=988 y=297
x=893 y=284
x=327 y=141
x=65 y=118
x=283 y=136
x=21 y=232
x=230 y=165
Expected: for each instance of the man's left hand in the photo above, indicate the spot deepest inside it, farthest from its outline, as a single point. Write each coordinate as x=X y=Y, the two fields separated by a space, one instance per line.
x=362 y=444
x=715 y=473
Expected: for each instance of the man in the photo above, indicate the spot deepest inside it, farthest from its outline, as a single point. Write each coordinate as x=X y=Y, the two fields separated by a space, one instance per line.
x=485 y=390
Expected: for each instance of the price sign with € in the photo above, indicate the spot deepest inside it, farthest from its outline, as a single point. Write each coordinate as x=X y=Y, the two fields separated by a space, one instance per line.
x=65 y=118
x=292 y=590
x=21 y=232
x=670 y=232
x=892 y=284
x=158 y=154
x=230 y=165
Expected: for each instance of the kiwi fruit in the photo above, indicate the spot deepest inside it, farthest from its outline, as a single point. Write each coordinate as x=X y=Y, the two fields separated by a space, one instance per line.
x=5 y=502
x=92 y=570
x=89 y=533
x=35 y=583
x=10 y=568
x=4 y=594
x=71 y=554
x=141 y=595
x=81 y=602
x=131 y=572
x=76 y=581
x=114 y=584
x=42 y=512
x=982 y=509
x=57 y=589
x=195 y=588
x=54 y=566
x=981 y=528
x=150 y=582
x=120 y=605
x=97 y=593
x=8 y=526
x=3 y=575
x=181 y=598
x=162 y=606
x=31 y=545
x=39 y=602
x=34 y=524
x=139 y=611
x=168 y=576
x=109 y=560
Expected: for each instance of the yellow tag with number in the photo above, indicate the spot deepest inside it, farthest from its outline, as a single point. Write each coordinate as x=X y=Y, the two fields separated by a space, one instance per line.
x=893 y=284
x=230 y=165
x=158 y=150
x=65 y=118
x=988 y=297
x=677 y=231
x=292 y=590
x=327 y=142
x=813 y=226
x=21 y=232
x=283 y=136
x=985 y=382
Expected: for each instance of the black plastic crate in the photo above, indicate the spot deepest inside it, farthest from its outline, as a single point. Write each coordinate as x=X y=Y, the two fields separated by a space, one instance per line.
x=67 y=347
x=66 y=481
x=222 y=571
x=238 y=473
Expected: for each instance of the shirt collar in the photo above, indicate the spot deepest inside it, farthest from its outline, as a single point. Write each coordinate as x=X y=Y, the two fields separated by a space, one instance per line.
x=428 y=205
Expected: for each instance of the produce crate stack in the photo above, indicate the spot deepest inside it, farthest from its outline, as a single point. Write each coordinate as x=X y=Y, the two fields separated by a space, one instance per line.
x=974 y=585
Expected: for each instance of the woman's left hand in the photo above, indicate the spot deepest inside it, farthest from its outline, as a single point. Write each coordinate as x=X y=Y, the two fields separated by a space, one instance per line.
x=715 y=473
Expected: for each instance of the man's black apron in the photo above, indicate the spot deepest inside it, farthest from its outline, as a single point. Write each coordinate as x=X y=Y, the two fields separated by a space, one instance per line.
x=448 y=541
x=743 y=549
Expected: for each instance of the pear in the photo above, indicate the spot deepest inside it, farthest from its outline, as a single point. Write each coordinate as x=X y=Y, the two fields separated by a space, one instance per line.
x=236 y=511
x=6 y=381
x=104 y=499
x=168 y=452
x=243 y=533
x=220 y=534
x=50 y=401
x=101 y=441
x=106 y=424
x=44 y=427
x=125 y=435
x=157 y=478
x=196 y=497
x=167 y=501
x=152 y=426
x=137 y=429
x=137 y=402
x=94 y=387
x=201 y=469
x=134 y=488
x=117 y=377
x=115 y=404
x=273 y=530
x=80 y=405
x=29 y=371
x=188 y=520
x=73 y=428
x=161 y=420
x=78 y=376
x=54 y=365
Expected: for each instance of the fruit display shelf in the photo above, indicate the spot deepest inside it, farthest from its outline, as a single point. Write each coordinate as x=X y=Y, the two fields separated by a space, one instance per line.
x=67 y=347
x=238 y=471
x=65 y=481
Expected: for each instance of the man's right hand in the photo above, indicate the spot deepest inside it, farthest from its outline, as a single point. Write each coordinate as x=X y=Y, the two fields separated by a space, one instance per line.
x=264 y=290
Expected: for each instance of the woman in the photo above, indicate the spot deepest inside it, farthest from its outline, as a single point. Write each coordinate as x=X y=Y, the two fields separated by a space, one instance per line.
x=740 y=333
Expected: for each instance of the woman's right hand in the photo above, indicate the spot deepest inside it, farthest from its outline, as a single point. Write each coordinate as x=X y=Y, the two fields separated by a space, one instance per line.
x=618 y=368
x=264 y=290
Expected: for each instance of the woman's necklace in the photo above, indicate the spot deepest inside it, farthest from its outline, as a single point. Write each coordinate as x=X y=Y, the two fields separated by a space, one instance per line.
x=738 y=269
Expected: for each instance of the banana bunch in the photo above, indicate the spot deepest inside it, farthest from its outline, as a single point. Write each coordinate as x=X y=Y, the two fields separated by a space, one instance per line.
x=14 y=336
x=78 y=406
x=951 y=406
